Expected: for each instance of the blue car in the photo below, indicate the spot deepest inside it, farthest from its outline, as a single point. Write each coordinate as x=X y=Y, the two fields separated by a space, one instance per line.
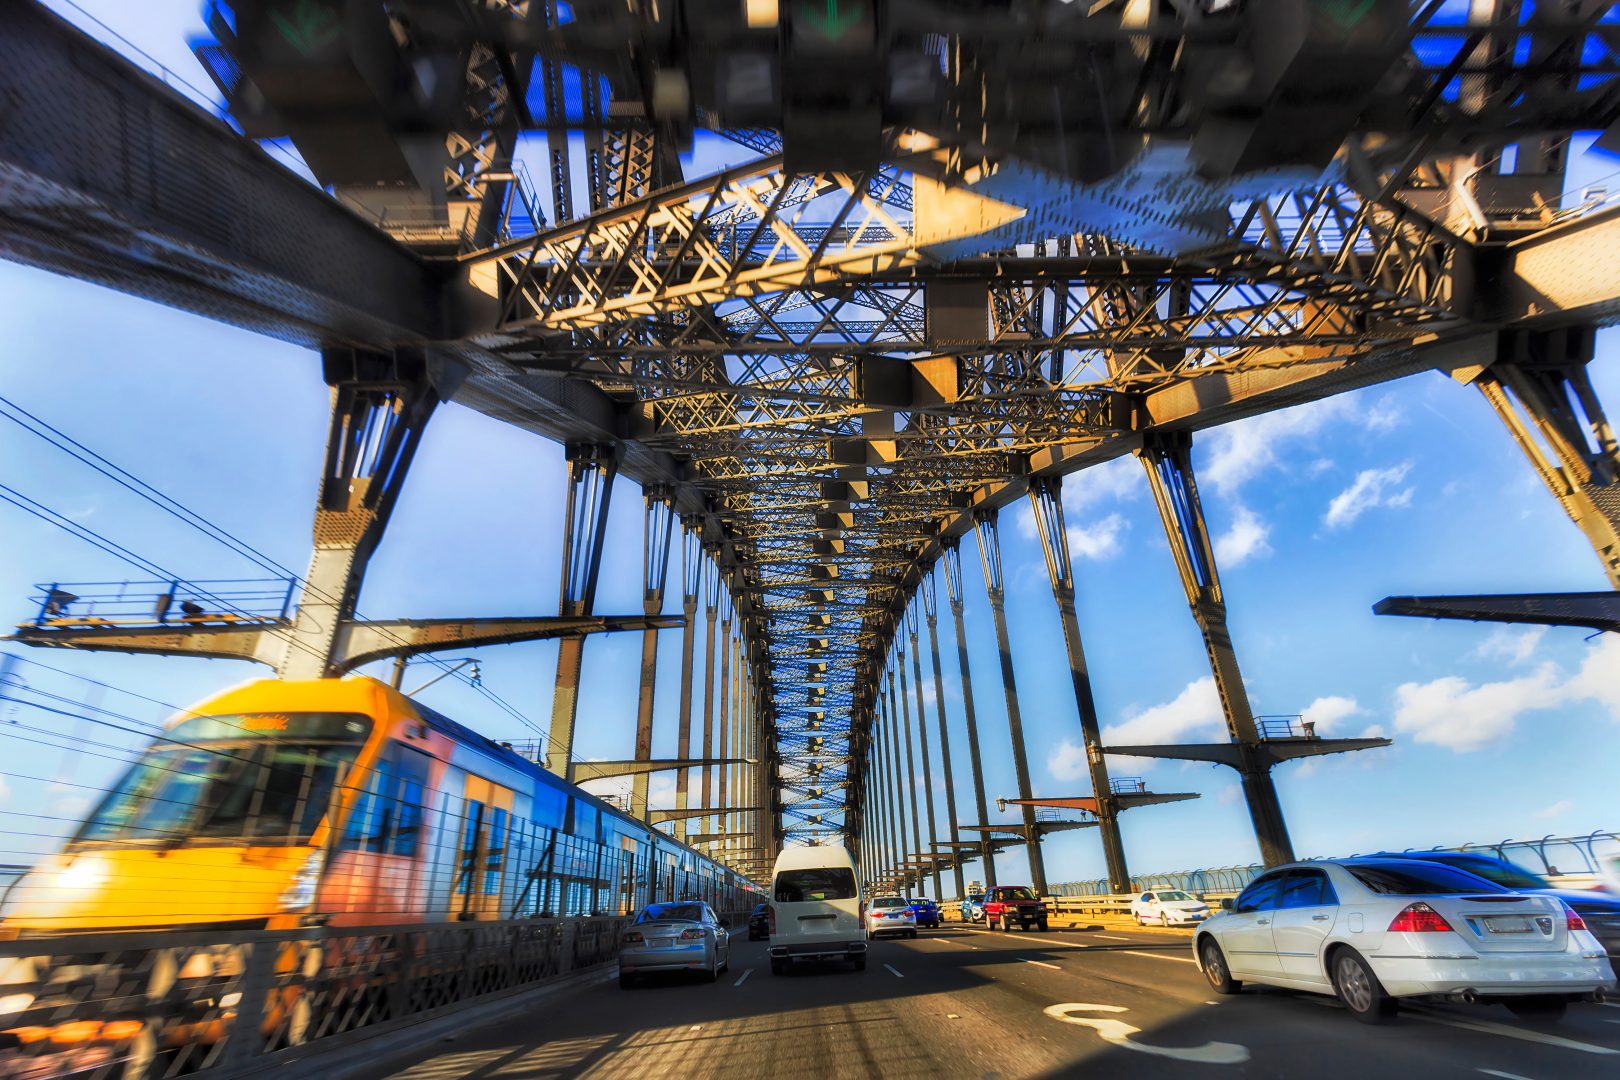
x=925 y=911
x=973 y=907
x=1600 y=911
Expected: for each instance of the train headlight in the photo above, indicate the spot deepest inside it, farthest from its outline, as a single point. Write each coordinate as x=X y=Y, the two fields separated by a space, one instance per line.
x=81 y=875
x=11 y=1004
x=300 y=895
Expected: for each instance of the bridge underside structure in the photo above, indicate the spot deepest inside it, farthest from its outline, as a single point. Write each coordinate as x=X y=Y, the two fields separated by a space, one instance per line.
x=964 y=256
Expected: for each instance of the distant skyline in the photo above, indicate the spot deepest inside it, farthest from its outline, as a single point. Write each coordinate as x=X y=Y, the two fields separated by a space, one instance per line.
x=1318 y=512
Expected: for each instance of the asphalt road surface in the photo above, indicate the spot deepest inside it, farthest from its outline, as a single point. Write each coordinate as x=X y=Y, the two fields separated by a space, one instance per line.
x=975 y=1003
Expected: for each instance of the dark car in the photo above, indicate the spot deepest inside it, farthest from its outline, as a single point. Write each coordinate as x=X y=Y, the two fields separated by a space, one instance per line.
x=925 y=911
x=759 y=922
x=1600 y=911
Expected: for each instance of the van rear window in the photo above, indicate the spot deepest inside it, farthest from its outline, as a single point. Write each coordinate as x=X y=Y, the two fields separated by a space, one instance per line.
x=815 y=883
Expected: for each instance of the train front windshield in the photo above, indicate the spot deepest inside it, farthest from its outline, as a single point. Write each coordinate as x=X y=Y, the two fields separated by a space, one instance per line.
x=264 y=778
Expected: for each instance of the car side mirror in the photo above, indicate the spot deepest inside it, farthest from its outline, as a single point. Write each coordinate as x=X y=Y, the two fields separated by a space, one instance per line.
x=1226 y=903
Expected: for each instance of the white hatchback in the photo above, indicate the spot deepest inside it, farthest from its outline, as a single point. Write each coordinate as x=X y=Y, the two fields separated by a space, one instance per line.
x=1373 y=931
x=1168 y=907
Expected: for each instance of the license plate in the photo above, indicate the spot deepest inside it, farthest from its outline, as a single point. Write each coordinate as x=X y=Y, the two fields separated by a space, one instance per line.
x=1507 y=924
x=660 y=942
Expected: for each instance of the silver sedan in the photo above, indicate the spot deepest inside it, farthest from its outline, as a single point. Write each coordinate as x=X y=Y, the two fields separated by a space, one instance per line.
x=680 y=936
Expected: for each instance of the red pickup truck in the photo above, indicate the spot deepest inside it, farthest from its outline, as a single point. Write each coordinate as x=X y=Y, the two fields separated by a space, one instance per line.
x=1005 y=905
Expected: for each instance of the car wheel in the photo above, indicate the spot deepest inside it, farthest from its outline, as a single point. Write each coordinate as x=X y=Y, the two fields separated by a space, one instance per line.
x=1538 y=1008
x=911 y=934
x=1041 y=926
x=1139 y=920
x=860 y=963
x=778 y=967
x=1360 y=989
x=626 y=981
x=1213 y=962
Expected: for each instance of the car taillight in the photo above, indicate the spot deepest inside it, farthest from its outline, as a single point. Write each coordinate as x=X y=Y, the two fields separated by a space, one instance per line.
x=1572 y=919
x=862 y=915
x=633 y=937
x=1419 y=918
x=770 y=920
x=691 y=935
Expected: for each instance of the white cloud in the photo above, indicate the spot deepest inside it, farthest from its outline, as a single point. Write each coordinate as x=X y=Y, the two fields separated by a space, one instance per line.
x=1119 y=478
x=1240 y=451
x=661 y=790
x=1195 y=712
x=1326 y=712
x=1245 y=540
x=1384 y=415
x=1098 y=541
x=1068 y=762
x=1319 y=466
x=1557 y=809
x=1375 y=731
x=1230 y=795
x=1368 y=492
x=1514 y=646
x=1450 y=712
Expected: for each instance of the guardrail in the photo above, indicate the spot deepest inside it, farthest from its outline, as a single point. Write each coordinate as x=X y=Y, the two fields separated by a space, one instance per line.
x=146 y=1005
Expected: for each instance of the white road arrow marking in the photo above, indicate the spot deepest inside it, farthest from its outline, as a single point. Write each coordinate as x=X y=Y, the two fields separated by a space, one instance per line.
x=1119 y=1033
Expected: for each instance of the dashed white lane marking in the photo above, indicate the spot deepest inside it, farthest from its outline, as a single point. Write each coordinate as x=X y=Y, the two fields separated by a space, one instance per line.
x=744 y=978
x=893 y=972
x=1491 y=1027
x=1159 y=956
x=1503 y=1075
x=1110 y=937
x=1039 y=963
x=1118 y=1033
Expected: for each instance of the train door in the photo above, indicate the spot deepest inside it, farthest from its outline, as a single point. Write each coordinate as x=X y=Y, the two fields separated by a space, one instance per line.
x=376 y=874
x=481 y=863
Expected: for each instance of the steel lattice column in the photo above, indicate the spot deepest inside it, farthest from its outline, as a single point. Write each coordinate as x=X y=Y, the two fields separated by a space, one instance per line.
x=953 y=588
x=657 y=529
x=901 y=784
x=712 y=612
x=1539 y=386
x=930 y=601
x=891 y=741
x=380 y=406
x=722 y=725
x=691 y=586
x=1047 y=499
x=922 y=736
x=990 y=559
x=1168 y=460
x=911 y=758
x=591 y=469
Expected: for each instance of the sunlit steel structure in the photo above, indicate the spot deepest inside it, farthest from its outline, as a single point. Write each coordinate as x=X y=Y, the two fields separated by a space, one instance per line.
x=977 y=248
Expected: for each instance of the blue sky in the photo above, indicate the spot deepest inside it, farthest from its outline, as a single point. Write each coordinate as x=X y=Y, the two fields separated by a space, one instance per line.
x=1412 y=487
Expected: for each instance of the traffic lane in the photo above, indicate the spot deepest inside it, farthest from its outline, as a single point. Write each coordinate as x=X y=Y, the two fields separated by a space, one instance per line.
x=814 y=1023
x=1277 y=1027
x=964 y=1004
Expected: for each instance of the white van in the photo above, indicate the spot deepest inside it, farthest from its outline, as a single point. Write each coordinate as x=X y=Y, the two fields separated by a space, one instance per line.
x=817 y=911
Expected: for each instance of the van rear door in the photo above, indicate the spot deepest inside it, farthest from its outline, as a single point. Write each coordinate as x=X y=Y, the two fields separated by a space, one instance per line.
x=814 y=902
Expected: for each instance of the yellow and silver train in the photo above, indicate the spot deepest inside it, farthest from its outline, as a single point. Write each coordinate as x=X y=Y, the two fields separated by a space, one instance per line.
x=344 y=802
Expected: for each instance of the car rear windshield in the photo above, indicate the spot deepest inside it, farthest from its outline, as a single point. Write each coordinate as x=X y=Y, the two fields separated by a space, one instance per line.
x=1019 y=893
x=1503 y=873
x=815 y=883
x=1173 y=894
x=665 y=912
x=889 y=901
x=1414 y=878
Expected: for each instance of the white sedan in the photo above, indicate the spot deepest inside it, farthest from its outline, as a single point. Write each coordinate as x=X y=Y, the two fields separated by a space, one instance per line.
x=1168 y=907
x=1373 y=931
x=890 y=915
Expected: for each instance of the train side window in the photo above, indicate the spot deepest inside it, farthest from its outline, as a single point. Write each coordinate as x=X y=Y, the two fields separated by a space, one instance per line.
x=495 y=854
x=387 y=817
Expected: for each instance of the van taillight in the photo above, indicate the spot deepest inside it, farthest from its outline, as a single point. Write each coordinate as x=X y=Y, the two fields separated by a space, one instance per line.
x=770 y=920
x=862 y=915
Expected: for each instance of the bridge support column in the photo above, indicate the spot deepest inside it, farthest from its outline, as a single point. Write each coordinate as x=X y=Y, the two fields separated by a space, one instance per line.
x=911 y=757
x=722 y=725
x=658 y=526
x=380 y=406
x=1168 y=460
x=922 y=738
x=930 y=600
x=990 y=558
x=897 y=803
x=711 y=613
x=953 y=589
x=691 y=585
x=1047 y=499
x=1540 y=388
x=591 y=469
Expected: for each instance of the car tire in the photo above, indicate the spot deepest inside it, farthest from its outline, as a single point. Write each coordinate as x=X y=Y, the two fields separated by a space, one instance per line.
x=1356 y=985
x=778 y=967
x=860 y=963
x=626 y=982
x=1041 y=926
x=912 y=934
x=1140 y=921
x=1538 y=1008
x=1213 y=961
